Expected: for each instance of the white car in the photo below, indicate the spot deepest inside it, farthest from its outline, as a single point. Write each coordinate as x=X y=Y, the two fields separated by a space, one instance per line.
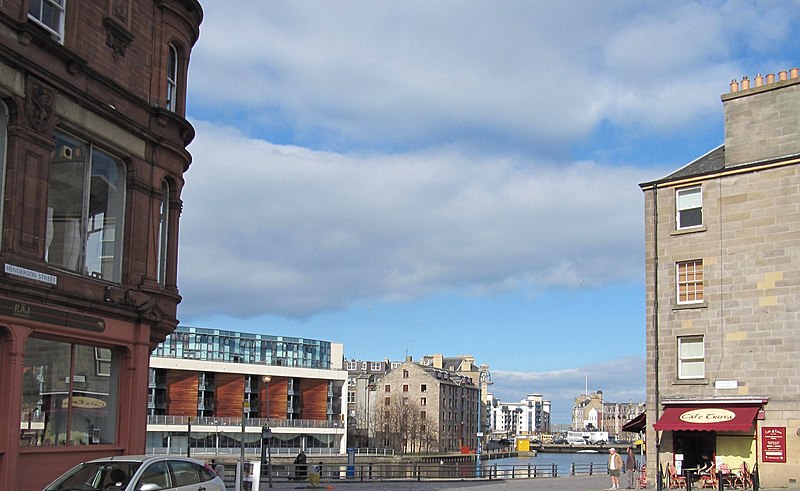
x=140 y=473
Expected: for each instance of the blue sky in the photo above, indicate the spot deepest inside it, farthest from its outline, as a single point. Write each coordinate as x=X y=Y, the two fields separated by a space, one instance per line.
x=455 y=177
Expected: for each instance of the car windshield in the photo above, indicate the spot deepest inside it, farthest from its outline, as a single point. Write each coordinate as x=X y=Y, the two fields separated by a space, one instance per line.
x=96 y=476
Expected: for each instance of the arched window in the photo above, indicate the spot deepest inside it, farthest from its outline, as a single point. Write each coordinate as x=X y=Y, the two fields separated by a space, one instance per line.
x=85 y=210
x=163 y=233
x=172 y=78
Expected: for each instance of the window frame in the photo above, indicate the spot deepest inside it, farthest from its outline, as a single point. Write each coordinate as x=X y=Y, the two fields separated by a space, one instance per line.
x=94 y=161
x=3 y=158
x=58 y=6
x=171 y=97
x=681 y=359
x=682 y=194
x=61 y=376
x=163 y=234
x=687 y=287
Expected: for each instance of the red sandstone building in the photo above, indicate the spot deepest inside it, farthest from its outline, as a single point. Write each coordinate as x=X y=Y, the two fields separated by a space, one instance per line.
x=93 y=142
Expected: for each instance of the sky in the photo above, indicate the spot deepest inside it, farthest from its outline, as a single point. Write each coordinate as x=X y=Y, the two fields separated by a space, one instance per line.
x=453 y=176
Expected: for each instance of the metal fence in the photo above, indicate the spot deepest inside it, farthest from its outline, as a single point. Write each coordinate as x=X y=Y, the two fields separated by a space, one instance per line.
x=212 y=422
x=426 y=471
x=254 y=453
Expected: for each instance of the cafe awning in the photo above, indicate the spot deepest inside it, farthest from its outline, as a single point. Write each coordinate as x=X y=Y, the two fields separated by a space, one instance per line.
x=636 y=425
x=708 y=418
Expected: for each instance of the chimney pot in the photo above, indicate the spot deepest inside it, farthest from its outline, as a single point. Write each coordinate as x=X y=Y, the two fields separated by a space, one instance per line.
x=745 y=83
x=782 y=75
x=734 y=86
x=770 y=78
x=794 y=72
x=759 y=80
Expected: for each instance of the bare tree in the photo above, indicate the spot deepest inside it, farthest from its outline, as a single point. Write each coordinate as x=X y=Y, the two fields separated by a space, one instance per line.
x=399 y=425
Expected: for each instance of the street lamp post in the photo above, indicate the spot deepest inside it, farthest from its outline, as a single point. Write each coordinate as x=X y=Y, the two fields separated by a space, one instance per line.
x=245 y=408
x=266 y=432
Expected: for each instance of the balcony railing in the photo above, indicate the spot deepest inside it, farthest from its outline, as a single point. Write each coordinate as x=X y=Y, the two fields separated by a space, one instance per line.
x=219 y=422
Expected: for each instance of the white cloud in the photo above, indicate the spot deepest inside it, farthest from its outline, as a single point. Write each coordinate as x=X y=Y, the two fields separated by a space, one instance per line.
x=416 y=73
x=621 y=380
x=291 y=231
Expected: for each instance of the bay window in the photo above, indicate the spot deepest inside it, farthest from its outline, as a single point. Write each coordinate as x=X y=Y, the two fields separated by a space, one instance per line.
x=85 y=210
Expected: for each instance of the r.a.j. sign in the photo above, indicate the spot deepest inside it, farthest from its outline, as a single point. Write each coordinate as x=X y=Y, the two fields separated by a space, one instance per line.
x=773 y=444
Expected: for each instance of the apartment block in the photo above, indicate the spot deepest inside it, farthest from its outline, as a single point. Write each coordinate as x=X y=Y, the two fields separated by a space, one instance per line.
x=422 y=408
x=529 y=416
x=218 y=381
x=722 y=246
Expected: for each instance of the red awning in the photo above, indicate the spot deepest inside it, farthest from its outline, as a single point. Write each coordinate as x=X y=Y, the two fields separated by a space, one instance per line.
x=708 y=418
x=636 y=425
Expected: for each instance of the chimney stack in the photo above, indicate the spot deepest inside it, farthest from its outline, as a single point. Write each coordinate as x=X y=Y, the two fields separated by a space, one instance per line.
x=762 y=122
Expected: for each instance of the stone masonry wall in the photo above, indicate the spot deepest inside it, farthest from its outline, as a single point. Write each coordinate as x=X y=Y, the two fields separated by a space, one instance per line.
x=763 y=122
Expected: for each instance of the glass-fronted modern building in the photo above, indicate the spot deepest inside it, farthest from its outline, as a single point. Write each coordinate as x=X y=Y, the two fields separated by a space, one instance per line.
x=212 y=378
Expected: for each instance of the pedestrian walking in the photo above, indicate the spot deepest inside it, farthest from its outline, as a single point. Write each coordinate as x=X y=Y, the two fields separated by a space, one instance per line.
x=630 y=467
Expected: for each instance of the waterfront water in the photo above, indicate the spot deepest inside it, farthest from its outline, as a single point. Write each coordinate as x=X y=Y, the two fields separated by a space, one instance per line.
x=564 y=461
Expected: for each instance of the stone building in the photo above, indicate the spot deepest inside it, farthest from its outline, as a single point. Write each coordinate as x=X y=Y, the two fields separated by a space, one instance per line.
x=93 y=142
x=587 y=412
x=616 y=414
x=464 y=365
x=420 y=407
x=361 y=377
x=723 y=290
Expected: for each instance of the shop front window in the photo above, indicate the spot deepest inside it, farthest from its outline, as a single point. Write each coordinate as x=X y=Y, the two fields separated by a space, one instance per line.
x=69 y=394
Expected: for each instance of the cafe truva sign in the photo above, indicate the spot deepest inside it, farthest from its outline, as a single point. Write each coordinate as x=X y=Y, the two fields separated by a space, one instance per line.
x=707 y=415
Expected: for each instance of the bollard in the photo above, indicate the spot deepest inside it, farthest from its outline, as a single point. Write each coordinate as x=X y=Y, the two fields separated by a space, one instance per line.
x=754 y=477
x=591 y=467
x=660 y=479
x=720 y=482
x=688 y=475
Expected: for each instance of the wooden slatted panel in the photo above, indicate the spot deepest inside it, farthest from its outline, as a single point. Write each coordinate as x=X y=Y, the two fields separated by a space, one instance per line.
x=229 y=393
x=278 y=388
x=315 y=399
x=182 y=393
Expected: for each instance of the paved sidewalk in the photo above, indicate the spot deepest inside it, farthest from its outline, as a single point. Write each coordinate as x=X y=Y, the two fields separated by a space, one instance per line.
x=571 y=483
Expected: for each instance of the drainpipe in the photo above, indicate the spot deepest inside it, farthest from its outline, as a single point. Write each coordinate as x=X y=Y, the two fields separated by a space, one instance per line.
x=657 y=394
